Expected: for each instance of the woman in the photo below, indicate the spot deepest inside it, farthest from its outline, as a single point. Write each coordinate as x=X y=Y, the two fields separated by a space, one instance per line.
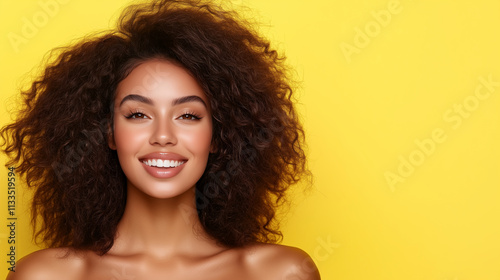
x=160 y=151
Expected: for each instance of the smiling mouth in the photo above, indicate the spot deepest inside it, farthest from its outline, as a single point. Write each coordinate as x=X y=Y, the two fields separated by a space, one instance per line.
x=163 y=163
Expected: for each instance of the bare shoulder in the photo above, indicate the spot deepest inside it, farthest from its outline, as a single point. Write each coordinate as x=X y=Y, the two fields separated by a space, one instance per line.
x=273 y=261
x=53 y=264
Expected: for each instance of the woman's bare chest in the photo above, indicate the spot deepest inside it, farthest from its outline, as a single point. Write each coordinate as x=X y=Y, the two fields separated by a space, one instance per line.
x=146 y=269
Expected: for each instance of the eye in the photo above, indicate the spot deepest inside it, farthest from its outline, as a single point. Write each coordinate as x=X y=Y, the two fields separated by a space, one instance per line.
x=189 y=117
x=136 y=116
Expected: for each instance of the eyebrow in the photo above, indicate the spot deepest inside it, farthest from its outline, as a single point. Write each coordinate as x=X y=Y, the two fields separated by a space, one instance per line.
x=138 y=98
x=177 y=101
x=186 y=99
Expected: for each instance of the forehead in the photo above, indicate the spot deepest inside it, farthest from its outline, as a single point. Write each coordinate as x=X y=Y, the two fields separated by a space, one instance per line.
x=160 y=79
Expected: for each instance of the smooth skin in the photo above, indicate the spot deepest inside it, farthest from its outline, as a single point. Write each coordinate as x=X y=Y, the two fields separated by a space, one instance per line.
x=160 y=109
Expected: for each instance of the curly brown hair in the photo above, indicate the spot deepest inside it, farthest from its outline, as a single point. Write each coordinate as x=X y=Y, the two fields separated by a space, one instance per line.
x=59 y=139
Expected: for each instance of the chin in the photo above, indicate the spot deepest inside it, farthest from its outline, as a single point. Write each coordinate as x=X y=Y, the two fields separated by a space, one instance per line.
x=162 y=190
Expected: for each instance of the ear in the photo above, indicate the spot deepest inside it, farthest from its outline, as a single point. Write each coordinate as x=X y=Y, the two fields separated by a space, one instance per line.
x=111 y=138
x=213 y=148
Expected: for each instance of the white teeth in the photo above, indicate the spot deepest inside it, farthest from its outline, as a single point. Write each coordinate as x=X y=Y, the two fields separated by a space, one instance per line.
x=162 y=163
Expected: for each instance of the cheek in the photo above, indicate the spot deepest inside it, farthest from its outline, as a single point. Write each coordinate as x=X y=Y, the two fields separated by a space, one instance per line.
x=127 y=137
x=198 y=141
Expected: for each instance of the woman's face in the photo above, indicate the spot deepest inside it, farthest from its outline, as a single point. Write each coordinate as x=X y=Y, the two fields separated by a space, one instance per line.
x=162 y=129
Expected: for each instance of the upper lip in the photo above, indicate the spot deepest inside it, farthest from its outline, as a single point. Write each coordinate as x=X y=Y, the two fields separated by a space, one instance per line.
x=163 y=156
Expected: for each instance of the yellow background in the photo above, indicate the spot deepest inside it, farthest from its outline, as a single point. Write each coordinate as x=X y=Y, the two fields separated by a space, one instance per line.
x=371 y=90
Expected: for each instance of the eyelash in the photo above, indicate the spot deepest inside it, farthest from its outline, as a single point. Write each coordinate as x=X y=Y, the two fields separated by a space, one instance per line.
x=186 y=116
x=189 y=116
x=133 y=115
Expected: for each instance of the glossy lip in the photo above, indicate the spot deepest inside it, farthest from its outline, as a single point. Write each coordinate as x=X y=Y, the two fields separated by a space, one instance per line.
x=160 y=172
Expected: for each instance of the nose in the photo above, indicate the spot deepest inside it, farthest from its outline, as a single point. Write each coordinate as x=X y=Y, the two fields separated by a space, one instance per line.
x=163 y=134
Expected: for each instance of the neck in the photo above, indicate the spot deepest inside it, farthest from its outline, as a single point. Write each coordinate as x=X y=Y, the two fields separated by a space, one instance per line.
x=161 y=227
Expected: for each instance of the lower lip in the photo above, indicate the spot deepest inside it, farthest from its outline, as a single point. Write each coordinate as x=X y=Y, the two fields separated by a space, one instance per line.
x=161 y=172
